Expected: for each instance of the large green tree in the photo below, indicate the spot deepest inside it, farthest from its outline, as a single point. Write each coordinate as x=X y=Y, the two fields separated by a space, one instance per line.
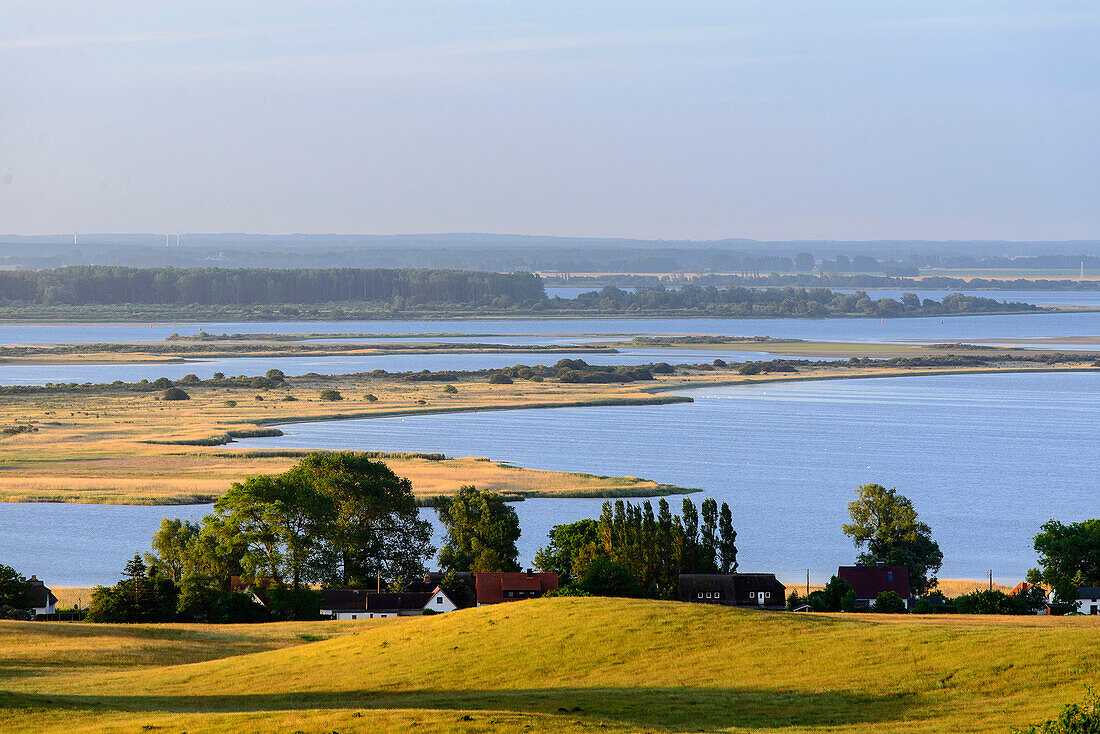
x=481 y=532
x=15 y=591
x=375 y=528
x=885 y=528
x=569 y=543
x=1068 y=552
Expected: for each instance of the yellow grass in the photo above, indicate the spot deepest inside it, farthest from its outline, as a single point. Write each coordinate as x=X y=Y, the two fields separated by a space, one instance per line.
x=554 y=665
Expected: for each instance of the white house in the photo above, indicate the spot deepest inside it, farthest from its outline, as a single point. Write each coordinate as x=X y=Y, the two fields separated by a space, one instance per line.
x=358 y=604
x=1088 y=600
x=43 y=599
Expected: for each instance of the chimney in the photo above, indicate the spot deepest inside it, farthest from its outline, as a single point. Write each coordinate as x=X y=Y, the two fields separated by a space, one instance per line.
x=529 y=573
x=33 y=577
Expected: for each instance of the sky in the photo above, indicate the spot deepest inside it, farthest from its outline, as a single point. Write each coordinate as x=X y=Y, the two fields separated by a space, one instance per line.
x=695 y=120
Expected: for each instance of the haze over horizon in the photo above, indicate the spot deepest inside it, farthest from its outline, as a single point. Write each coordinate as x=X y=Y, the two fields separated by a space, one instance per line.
x=794 y=121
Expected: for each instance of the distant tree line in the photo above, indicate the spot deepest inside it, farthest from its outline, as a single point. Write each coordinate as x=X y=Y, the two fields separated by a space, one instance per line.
x=740 y=302
x=102 y=285
x=633 y=551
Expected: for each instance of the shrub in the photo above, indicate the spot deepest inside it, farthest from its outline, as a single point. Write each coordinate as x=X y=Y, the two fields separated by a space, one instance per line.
x=604 y=577
x=260 y=398
x=260 y=383
x=370 y=398
x=290 y=399
x=175 y=393
x=230 y=403
x=330 y=396
x=161 y=383
x=749 y=368
x=189 y=378
x=450 y=389
x=888 y=602
x=219 y=376
x=275 y=375
x=1075 y=718
x=499 y=378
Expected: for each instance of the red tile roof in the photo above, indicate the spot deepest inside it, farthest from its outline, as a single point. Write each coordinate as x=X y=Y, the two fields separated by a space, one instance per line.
x=490 y=587
x=870 y=581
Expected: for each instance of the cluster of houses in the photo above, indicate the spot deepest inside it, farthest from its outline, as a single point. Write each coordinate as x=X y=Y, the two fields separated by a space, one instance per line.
x=426 y=595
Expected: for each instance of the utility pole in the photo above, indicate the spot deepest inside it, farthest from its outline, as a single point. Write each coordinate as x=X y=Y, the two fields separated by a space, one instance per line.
x=991 y=579
x=807 y=582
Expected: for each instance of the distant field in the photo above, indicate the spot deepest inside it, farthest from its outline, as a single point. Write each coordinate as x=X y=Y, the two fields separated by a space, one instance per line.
x=569 y=665
x=1009 y=274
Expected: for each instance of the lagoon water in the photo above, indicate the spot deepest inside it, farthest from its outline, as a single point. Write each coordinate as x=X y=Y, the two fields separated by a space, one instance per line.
x=986 y=458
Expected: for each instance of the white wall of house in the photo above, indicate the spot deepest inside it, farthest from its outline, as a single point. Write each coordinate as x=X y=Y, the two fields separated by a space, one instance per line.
x=51 y=608
x=1088 y=606
x=441 y=603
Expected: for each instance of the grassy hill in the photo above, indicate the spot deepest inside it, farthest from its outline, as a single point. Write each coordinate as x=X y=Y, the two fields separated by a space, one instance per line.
x=551 y=665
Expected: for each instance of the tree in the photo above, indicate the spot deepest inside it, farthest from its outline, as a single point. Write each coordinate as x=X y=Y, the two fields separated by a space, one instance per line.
x=373 y=526
x=15 y=591
x=837 y=596
x=330 y=396
x=481 y=532
x=1069 y=552
x=171 y=543
x=135 y=568
x=708 y=543
x=175 y=393
x=886 y=525
x=280 y=523
x=604 y=577
x=567 y=544
x=690 y=560
x=727 y=538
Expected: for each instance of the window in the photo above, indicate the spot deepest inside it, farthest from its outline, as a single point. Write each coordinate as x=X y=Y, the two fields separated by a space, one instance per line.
x=700 y=595
x=708 y=594
x=767 y=595
x=439 y=600
x=752 y=594
x=889 y=575
x=355 y=616
x=718 y=595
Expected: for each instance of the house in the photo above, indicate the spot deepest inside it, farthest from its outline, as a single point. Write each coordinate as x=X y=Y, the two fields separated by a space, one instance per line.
x=870 y=581
x=464 y=594
x=1088 y=600
x=43 y=600
x=360 y=604
x=733 y=589
x=494 y=588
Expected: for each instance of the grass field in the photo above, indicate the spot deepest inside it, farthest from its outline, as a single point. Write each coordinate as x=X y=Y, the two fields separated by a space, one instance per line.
x=551 y=665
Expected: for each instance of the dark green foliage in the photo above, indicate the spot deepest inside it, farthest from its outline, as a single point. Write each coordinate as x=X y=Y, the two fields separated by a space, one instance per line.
x=1075 y=718
x=330 y=395
x=997 y=602
x=837 y=596
x=654 y=548
x=15 y=591
x=794 y=601
x=275 y=375
x=499 y=378
x=286 y=605
x=80 y=285
x=135 y=599
x=370 y=398
x=886 y=525
x=604 y=577
x=175 y=393
x=482 y=531
x=888 y=602
x=450 y=389
x=1069 y=552
x=567 y=542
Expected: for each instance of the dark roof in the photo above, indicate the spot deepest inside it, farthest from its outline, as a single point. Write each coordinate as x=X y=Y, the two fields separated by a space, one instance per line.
x=1088 y=592
x=41 y=596
x=870 y=581
x=343 y=599
x=734 y=586
x=405 y=601
x=491 y=586
x=432 y=579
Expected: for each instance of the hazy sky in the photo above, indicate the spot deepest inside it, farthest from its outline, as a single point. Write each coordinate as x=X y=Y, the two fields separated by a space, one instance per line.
x=773 y=120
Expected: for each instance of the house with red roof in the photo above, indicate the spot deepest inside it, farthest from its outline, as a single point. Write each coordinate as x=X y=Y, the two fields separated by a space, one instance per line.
x=870 y=581
x=495 y=588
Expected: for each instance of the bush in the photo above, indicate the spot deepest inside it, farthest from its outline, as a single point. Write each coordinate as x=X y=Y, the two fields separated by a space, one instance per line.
x=450 y=389
x=290 y=399
x=286 y=605
x=161 y=383
x=499 y=378
x=604 y=577
x=189 y=378
x=275 y=375
x=370 y=398
x=261 y=383
x=230 y=403
x=749 y=368
x=1075 y=718
x=175 y=393
x=888 y=602
x=330 y=396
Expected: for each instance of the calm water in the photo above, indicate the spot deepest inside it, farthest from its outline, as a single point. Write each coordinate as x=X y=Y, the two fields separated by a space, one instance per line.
x=559 y=331
x=986 y=458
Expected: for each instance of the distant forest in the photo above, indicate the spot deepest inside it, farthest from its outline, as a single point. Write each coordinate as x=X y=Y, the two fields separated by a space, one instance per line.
x=102 y=285
x=373 y=293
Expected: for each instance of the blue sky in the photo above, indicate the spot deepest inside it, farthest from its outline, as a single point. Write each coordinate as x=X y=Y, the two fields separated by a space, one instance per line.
x=773 y=120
